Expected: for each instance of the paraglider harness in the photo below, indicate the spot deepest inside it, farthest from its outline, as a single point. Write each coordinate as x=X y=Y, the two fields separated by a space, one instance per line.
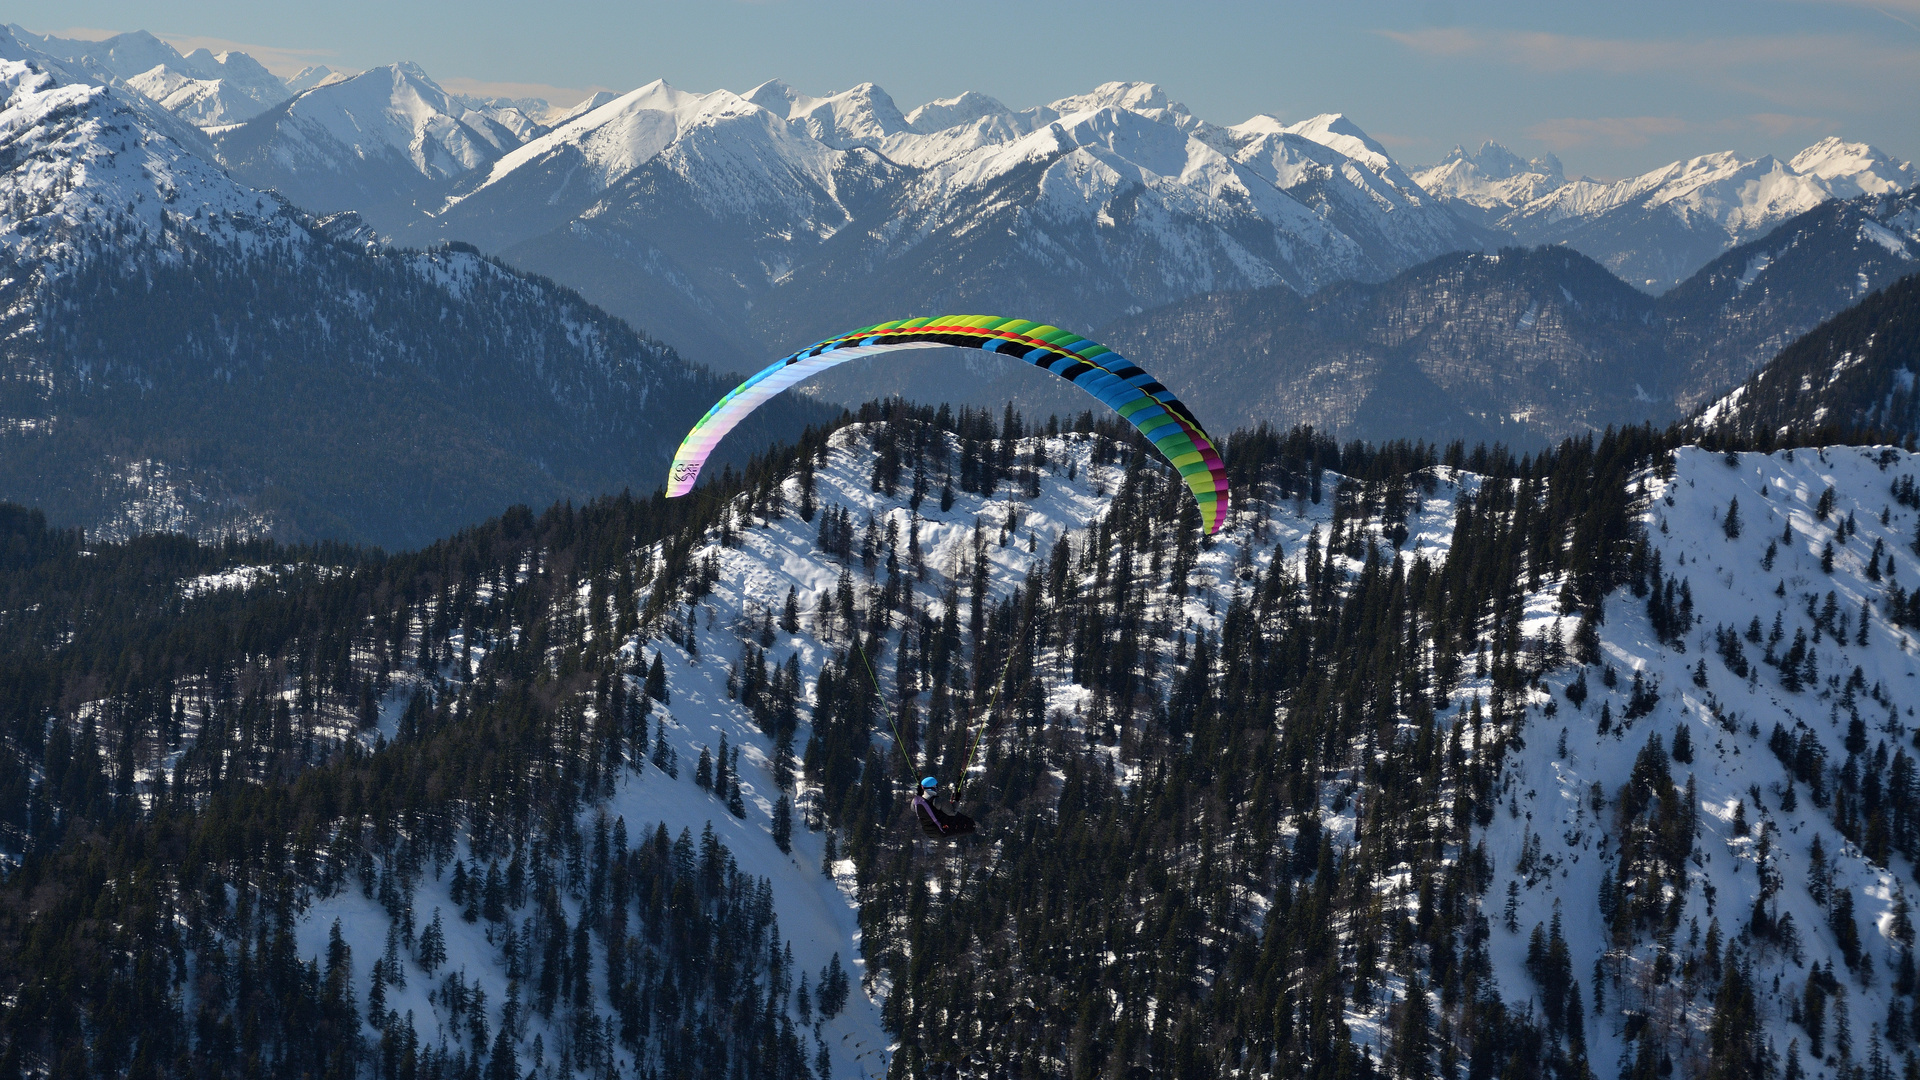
x=934 y=822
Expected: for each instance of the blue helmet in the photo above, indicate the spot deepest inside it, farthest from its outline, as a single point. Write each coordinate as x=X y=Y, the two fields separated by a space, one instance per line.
x=929 y=782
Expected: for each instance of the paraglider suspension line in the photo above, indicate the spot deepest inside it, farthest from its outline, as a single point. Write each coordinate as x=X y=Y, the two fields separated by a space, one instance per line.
x=881 y=700
x=992 y=700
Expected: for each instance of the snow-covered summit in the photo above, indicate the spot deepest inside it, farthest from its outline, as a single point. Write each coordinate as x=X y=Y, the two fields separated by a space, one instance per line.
x=314 y=75
x=80 y=156
x=556 y=117
x=375 y=140
x=121 y=56
x=398 y=107
x=206 y=102
x=1852 y=168
x=970 y=106
x=863 y=115
x=1657 y=228
x=1140 y=98
x=734 y=151
x=1740 y=194
x=1491 y=176
x=202 y=87
x=1336 y=132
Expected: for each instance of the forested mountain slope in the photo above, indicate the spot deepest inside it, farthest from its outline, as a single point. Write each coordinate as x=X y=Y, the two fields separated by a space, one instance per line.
x=183 y=353
x=1429 y=765
x=1856 y=370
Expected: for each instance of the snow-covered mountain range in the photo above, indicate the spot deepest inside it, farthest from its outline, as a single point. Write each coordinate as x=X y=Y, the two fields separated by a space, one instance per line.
x=701 y=214
x=366 y=143
x=1521 y=346
x=274 y=372
x=1656 y=229
x=201 y=87
x=735 y=223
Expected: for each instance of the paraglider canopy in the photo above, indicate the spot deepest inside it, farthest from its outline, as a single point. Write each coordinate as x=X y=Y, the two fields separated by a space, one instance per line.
x=1116 y=381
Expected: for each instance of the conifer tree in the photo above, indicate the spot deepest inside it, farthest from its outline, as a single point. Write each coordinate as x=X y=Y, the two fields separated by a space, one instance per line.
x=657 y=679
x=433 y=945
x=783 y=824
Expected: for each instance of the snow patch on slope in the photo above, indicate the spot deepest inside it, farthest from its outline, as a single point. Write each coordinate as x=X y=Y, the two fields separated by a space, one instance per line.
x=1549 y=838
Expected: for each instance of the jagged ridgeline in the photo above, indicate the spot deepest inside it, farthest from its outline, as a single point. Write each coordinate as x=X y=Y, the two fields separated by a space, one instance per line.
x=1288 y=802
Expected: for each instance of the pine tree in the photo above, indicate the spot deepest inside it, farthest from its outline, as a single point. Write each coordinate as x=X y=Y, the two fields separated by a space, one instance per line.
x=1413 y=1040
x=503 y=1064
x=1817 y=871
x=1733 y=1038
x=433 y=945
x=396 y=968
x=834 y=987
x=657 y=679
x=783 y=824
x=377 y=994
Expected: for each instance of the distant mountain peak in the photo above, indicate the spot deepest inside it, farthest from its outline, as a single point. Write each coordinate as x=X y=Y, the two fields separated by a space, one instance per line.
x=1336 y=132
x=1132 y=96
x=1139 y=98
x=1492 y=161
x=944 y=113
x=586 y=105
x=861 y=115
x=313 y=75
x=202 y=87
x=378 y=139
x=1854 y=168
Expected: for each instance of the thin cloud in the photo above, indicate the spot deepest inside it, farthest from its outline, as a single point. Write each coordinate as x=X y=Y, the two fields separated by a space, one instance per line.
x=1548 y=52
x=1778 y=124
x=1827 y=72
x=1628 y=132
x=1570 y=132
x=561 y=96
x=1884 y=7
x=281 y=61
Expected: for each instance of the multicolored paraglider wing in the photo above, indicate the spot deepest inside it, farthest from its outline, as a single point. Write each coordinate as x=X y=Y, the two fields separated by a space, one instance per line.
x=1116 y=381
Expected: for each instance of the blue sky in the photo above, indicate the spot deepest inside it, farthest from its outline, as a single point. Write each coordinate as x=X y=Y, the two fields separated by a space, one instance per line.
x=1613 y=88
